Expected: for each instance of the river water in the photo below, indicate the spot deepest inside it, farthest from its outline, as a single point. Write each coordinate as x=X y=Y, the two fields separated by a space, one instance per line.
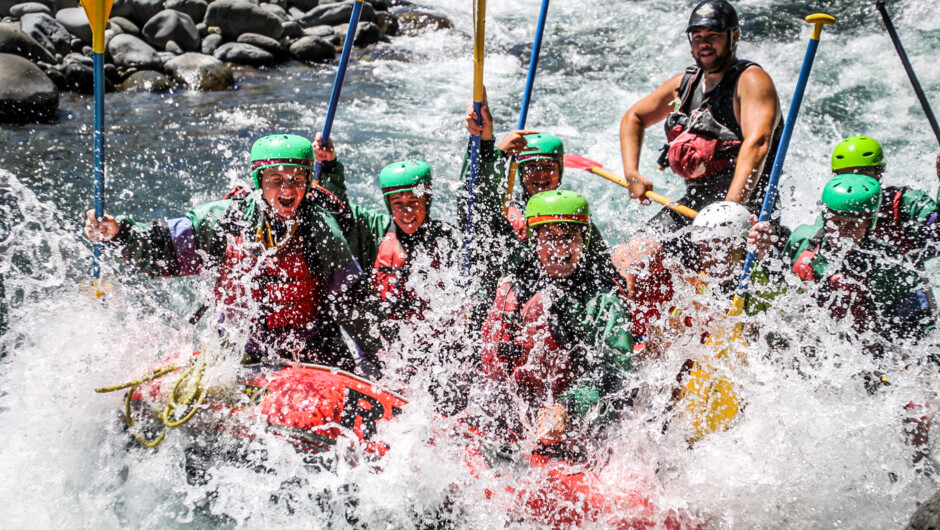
x=812 y=450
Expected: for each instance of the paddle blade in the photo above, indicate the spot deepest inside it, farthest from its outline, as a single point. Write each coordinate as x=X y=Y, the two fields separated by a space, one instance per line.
x=581 y=162
x=98 y=12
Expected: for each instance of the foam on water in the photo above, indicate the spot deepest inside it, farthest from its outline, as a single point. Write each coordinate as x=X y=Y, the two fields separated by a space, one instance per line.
x=812 y=448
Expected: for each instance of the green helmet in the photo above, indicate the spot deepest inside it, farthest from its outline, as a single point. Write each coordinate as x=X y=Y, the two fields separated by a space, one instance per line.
x=557 y=206
x=280 y=150
x=404 y=176
x=543 y=147
x=857 y=151
x=852 y=196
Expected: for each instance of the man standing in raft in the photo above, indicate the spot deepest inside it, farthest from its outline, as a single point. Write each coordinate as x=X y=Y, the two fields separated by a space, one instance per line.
x=287 y=279
x=722 y=123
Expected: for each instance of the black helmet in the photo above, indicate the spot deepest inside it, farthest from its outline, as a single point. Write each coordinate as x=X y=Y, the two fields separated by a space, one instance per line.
x=716 y=15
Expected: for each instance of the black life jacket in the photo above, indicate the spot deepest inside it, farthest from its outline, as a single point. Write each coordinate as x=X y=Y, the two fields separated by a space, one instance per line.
x=703 y=134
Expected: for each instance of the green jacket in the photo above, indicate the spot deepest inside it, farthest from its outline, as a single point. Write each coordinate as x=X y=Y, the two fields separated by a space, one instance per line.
x=201 y=240
x=893 y=292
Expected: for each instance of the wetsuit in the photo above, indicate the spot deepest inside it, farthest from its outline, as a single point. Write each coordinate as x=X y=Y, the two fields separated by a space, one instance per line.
x=287 y=286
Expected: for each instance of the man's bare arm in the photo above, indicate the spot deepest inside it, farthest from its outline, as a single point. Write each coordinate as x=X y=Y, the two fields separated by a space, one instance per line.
x=650 y=110
x=760 y=114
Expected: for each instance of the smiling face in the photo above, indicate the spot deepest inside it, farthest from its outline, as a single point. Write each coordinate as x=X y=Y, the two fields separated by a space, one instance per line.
x=711 y=50
x=283 y=187
x=559 y=248
x=540 y=175
x=408 y=210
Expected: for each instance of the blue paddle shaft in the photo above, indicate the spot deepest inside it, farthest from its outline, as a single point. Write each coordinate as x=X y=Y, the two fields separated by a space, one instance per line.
x=338 y=82
x=98 y=59
x=771 y=196
x=533 y=65
x=474 y=171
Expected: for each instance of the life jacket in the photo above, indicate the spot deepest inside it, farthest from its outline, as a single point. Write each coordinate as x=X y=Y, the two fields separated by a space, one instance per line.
x=803 y=264
x=894 y=222
x=282 y=285
x=702 y=132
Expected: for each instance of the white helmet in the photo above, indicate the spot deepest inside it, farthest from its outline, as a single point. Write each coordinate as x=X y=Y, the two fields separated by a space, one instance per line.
x=721 y=220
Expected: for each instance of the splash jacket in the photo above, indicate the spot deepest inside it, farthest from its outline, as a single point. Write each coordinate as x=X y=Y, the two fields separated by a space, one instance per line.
x=376 y=240
x=872 y=282
x=569 y=342
x=288 y=285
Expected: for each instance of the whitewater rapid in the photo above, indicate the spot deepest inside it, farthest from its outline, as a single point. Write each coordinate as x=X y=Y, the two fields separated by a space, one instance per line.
x=813 y=448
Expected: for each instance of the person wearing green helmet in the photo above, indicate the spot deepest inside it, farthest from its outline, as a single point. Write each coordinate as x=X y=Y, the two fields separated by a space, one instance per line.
x=907 y=219
x=390 y=241
x=286 y=279
x=858 y=274
x=564 y=344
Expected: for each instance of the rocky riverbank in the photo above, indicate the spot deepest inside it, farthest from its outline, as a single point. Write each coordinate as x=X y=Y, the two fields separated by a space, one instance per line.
x=45 y=45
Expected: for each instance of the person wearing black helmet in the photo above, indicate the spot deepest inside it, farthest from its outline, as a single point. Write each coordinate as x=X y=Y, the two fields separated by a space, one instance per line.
x=722 y=123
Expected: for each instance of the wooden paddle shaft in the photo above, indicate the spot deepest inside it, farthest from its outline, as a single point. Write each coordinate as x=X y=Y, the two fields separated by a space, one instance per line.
x=668 y=203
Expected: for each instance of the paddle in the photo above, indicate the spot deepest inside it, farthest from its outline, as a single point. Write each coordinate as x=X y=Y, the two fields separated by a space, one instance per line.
x=524 y=111
x=710 y=398
x=98 y=12
x=580 y=162
x=910 y=69
x=338 y=82
x=479 y=27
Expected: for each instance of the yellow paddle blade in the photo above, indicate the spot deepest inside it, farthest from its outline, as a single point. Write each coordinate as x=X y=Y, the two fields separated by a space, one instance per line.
x=96 y=288
x=710 y=401
x=98 y=12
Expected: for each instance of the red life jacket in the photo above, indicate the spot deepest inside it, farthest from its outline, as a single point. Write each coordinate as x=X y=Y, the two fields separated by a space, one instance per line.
x=281 y=283
x=518 y=346
x=803 y=264
x=703 y=134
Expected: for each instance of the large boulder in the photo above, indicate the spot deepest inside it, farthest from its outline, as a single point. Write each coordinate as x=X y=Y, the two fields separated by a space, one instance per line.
x=137 y=11
x=126 y=25
x=235 y=17
x=46 y=31
x=200 y=72
x=127 y=51
x=265 y=43
x=171 y=25
x=293 y=30
x=19 y=10
x=15 y=42
x=196 y=9
x=26 y=94
x=277 y=11
x=75 y=21
x=147 y=80
x=241 y=53
x=313 y=49
x=366 y=33
x=335 y=14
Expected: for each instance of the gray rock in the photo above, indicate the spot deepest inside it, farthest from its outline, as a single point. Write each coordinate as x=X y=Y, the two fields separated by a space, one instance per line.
x=388 y=23
x=15 y=42
x=138 y=11
x=313 y=49
x=335 y=14
x=927 y=516
x=46 y=31
x=293 y=30
x=240 y=53
x=57 y=77
x=277 y=11
x=296 y=12
x=200 y=72
x=26 y=94
x=81 y=78
x=19 y=10
x=235 y=17
x=319 y=31
x=196 y=9
x=304 y=5
x=126 y=25
x=174 y=48
x=211 y=43
x=367 y=33
x=86 y=49
x=76 y=44
x=165 y=56
x=172 y=25
x=147 y=80
x=415 y=23
x=265 y=43
x=77 y=58
x=128 y=51
x=76 y=22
